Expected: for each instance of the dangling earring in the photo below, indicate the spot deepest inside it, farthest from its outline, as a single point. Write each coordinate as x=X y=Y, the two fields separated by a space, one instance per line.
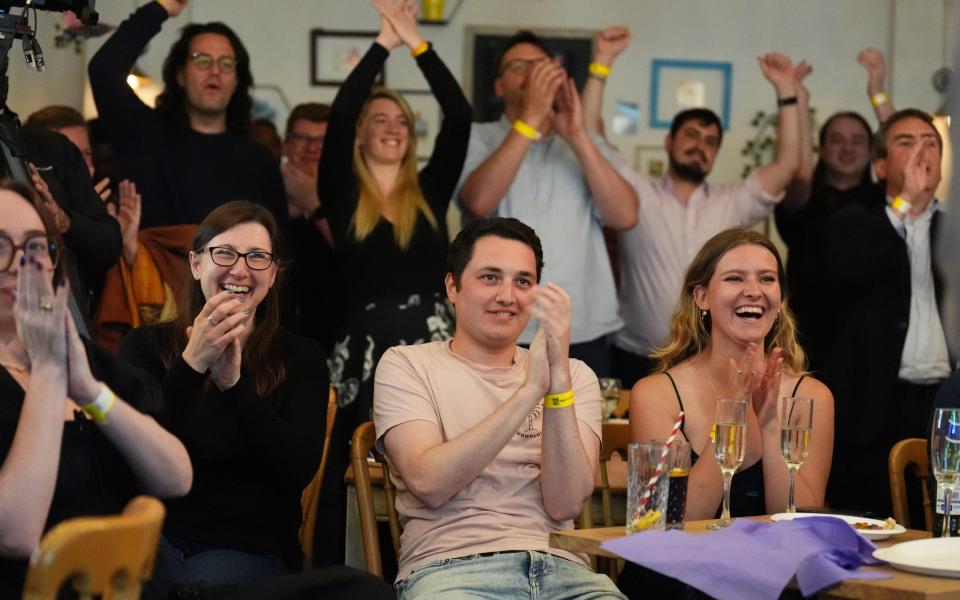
x=704 y=314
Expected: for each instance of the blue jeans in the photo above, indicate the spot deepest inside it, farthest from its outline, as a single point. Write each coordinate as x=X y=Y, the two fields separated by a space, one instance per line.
x=507 y=575
x=181 y=562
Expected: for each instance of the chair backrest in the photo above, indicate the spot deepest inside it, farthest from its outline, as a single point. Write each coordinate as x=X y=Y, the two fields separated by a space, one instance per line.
x=362 y=444
x=616 y=439
x=311 y=493
x=909 y=454
x=108 y=556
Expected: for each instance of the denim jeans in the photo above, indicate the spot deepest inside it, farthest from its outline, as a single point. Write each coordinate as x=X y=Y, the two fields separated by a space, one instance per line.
x=181 y=562
x=507 y=575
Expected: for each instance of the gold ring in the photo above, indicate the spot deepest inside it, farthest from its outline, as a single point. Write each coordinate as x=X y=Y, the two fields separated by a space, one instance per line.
x=739 y=371
x=46 y=305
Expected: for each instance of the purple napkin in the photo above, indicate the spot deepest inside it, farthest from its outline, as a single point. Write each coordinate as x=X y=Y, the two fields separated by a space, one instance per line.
x=754 y=560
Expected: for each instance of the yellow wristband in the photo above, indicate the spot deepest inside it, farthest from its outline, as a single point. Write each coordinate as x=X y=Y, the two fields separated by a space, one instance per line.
x=900 y=205
x=420 y=49
x=879 y=99
x=558 y=400
x=526 y=131
x=101 y=406
x=598 y=70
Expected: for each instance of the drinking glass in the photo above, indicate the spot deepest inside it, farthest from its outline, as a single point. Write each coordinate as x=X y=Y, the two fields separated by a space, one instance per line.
x=646 y=503
x=729 y=446
x=610 y=392
x=678 y=461
x=945 y=448
x=796 y=427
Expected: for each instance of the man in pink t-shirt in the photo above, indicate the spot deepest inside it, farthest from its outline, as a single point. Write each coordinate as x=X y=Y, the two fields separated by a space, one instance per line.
x=492 y=446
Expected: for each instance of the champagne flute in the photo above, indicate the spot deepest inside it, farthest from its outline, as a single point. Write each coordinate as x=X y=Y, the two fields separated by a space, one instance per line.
x=729 y=445
x=796 y=425
x=945 y=448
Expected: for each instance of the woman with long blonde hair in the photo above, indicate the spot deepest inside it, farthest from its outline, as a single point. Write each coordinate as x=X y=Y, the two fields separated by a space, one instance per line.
x=387 y=219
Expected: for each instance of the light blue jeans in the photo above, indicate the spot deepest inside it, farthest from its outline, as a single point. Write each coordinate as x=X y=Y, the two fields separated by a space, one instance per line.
x=507 y=575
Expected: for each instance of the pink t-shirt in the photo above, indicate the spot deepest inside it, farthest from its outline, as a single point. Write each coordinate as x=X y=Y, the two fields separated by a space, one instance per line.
x=502 y=509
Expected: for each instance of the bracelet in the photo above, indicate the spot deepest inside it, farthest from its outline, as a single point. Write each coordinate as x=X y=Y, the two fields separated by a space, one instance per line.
x=786 y=101
x=420 y=49
x=560 y=400
x=599 y=71
x=879 y=99
x=101 y=405
x=901 y=206
x=526 y=131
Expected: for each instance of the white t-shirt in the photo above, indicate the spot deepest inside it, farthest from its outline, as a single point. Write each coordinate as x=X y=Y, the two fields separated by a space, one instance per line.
x=502 y=508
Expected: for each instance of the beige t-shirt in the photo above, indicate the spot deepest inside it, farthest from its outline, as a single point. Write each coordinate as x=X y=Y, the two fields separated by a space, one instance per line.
x=502 y=509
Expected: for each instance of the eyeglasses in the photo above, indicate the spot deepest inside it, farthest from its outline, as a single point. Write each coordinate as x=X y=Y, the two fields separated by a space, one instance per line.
x=36 y=247
x=519 y=66
x=302 y=138
x=204 y=62
x=226 y=256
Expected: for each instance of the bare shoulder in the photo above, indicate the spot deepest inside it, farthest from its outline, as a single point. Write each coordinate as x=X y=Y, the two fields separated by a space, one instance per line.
x=653 y=396
x=810 y=386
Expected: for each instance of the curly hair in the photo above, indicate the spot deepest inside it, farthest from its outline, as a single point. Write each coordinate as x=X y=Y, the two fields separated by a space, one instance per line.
x=690 y=329
x=171 y=104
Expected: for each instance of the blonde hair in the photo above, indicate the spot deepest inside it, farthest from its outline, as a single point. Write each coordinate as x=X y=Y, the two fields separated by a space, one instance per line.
x=406 y=193
x=690 y=329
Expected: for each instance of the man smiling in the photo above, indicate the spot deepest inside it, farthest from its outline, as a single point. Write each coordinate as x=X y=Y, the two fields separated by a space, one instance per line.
x=192 y=153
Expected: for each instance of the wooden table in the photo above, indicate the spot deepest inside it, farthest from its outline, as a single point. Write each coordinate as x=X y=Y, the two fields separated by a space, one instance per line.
x=909 y=586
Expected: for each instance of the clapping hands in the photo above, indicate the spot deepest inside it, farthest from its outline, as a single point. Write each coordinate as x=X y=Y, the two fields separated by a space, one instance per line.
x=398 y=24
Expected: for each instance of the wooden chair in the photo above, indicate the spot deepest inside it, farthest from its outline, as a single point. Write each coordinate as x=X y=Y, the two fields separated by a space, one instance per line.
x=362 y=444
x=615 y=439
x=909 y=454
x=108 y=556
x=311 y=493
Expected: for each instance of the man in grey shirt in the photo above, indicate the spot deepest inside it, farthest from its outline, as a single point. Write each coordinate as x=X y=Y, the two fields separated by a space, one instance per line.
x=539 y=164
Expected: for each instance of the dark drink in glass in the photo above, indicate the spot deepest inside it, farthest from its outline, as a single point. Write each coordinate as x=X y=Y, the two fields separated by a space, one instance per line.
x=677 y=498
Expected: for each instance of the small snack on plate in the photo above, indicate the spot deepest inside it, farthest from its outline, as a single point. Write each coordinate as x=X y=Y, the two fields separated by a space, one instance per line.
x=888 y=523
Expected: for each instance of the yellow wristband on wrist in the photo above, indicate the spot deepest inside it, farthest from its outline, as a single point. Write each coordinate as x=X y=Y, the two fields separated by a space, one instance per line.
x=420 y=49
x=561 y=400
x=879 y=99
x=526 y=131
x=900 y=205
x=598 y=70
x=101 y=405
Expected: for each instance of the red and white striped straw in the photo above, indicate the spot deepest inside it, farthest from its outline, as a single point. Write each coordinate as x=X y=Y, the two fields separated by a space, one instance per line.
x=663 y=461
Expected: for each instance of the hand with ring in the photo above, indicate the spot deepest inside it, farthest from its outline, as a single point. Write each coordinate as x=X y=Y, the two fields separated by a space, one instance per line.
x=39 y=315
x=222 y=320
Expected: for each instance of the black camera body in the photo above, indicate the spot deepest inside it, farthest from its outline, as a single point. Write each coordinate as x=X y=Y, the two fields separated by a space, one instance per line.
x=84 y=9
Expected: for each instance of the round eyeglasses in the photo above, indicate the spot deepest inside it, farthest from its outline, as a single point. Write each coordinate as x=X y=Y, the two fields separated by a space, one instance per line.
x=225 y=256
x=37 y=247
x=204 y=62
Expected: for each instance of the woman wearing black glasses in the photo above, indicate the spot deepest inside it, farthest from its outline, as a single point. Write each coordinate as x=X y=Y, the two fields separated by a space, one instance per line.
x=247 y=398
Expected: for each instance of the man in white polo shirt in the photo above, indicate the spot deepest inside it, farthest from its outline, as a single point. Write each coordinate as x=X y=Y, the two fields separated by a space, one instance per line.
x=492 y=446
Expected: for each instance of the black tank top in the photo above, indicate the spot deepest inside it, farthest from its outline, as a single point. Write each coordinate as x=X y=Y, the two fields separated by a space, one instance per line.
x=746 y=489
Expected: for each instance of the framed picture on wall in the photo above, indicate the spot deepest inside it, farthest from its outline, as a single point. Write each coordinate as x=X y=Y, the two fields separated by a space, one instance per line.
x=426 y=114
x=650 y=160
x=677 y=85
x=333 y=54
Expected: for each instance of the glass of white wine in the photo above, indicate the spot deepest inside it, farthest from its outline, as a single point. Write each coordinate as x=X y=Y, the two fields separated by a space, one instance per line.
x=730 y=439
x=945 y=448
x=796 y=426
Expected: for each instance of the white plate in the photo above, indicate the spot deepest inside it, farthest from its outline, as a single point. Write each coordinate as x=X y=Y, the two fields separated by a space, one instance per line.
x=936 y=556
x=870 y=534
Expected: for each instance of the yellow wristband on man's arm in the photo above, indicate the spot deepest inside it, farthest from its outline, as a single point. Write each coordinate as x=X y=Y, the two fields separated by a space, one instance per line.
x=879 y=99
x=527 y=131
x=599 y=71
x=561 y=400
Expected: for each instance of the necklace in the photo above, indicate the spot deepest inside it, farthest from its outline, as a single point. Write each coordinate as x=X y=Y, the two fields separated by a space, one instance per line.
x=710 y=378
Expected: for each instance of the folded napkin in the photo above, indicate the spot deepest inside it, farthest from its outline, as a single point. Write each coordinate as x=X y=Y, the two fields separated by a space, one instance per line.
x=754 y=560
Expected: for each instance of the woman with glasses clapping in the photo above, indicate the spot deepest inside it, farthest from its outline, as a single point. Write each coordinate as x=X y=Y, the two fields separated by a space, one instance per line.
x=246 y=397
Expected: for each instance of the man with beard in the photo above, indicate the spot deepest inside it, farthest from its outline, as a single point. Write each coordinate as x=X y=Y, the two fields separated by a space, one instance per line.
x=193 y=152
x=539 y=164
x=680 y=211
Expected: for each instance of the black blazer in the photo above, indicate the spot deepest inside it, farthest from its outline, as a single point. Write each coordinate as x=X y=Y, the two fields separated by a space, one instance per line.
x=870 y=270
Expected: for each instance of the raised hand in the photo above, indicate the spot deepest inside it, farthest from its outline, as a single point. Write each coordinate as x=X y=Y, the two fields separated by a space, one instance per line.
x=225 y=371
x=609 y=43
x=568 y=118
x=46 y=199
x=800 y=72
x=538 y=365
x=872 y=61
x=402 y=16
x=221 y=320
x=129 y=218
x=552 y=307
x=919 y=179
x=82 y=386
x=780 y=72
x=388 y=36
x=767 y=389
x=174 y=7
x=39 y=315
x=544 y=81
x=301 y=189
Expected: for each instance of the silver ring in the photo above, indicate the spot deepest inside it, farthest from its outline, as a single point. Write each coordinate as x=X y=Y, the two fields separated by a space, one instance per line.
x=739 y=371
x=46 y=304
x=211 y=321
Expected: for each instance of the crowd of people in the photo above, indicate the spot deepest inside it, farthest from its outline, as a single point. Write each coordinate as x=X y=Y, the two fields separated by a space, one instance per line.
x=180 y=286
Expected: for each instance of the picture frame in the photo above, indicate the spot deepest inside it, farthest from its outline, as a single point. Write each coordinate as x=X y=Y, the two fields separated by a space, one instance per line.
x=650 y=159
x=426 y=112
x=334 y=53
x=677 y=85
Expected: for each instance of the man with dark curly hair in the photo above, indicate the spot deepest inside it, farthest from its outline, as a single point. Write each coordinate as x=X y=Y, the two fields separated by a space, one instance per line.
x=193 y=152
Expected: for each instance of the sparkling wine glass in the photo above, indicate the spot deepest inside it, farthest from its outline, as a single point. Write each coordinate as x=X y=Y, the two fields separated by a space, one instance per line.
x=945 y=448
x=796 y=427
x=729 y=445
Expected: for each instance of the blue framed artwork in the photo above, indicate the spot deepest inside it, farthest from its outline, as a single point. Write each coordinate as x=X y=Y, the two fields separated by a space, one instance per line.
x=681 y=84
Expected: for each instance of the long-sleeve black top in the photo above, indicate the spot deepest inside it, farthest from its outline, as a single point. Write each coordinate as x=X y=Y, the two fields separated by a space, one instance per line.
x=181 y=174
x=251 y=456
x=376 y=265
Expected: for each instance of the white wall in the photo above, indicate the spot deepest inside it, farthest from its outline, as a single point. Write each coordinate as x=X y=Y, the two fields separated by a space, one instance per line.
x=827 y=33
